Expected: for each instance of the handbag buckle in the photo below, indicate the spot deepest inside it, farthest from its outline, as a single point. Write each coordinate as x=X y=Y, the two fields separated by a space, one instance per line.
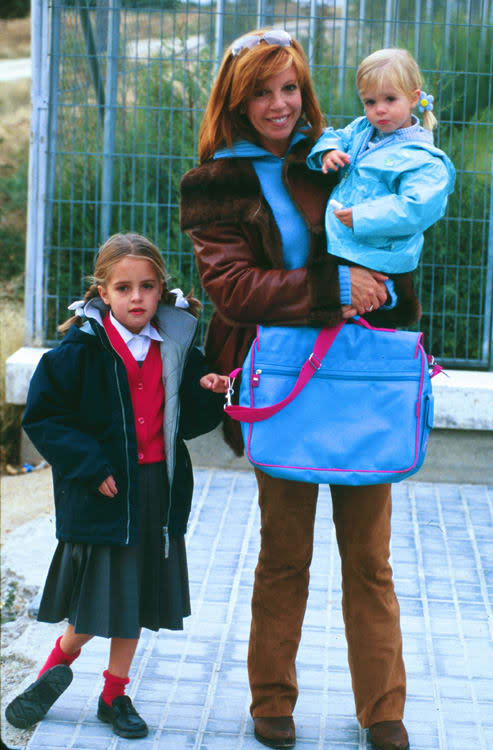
x=314 y=361
x=229 y=393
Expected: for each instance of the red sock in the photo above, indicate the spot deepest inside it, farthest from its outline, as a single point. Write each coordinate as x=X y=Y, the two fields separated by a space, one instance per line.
x=58 y=656
x=113 y=687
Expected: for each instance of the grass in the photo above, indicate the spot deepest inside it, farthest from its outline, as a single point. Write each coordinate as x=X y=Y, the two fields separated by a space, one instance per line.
x=7 y=604
x=14 y=142
x=14 y=104
x=15 y=38
x=11 y=339
x=14 y=149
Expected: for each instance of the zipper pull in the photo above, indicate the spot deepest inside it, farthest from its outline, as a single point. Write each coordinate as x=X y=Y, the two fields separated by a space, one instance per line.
x=166 y=541
x=256 y=378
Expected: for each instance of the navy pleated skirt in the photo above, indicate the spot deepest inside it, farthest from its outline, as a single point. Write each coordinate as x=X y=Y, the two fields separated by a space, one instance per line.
x=114 y=591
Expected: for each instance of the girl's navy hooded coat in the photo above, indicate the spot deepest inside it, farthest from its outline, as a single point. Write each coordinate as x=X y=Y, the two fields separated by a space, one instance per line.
x=79 y=416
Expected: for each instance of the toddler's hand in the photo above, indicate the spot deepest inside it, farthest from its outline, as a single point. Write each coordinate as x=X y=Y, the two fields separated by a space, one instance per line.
x=334 y=159
x=214 y=382
x=345 y=215
x=108 y=487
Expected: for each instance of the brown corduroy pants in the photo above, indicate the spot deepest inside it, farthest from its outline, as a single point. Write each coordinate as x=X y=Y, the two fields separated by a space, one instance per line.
x=370 y=608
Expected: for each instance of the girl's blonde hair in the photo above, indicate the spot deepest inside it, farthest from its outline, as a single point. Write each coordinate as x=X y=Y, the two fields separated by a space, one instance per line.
x=238 y=78
x=116 y=248
x=394 y=67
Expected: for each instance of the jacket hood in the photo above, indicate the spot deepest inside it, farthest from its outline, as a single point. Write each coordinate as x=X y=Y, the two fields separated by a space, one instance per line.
x=95 y=310
x=243 y=149
x=450 y=170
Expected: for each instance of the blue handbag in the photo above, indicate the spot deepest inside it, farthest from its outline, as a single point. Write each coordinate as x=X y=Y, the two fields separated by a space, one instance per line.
x=350 y=405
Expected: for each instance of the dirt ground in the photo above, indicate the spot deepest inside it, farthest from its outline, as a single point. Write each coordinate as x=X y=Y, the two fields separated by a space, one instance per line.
x=24 y=497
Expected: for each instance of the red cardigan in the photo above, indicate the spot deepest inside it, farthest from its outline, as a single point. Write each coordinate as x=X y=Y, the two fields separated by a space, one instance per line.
x=147 y=393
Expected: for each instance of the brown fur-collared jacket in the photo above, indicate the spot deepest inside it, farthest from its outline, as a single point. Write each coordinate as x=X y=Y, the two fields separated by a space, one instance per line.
x=239 y=256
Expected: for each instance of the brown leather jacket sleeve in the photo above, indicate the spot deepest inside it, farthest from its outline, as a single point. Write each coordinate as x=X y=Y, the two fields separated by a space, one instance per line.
x=245 y=292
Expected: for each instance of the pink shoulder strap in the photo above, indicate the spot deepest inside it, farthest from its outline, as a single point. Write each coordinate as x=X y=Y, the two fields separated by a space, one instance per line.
x=322 y=344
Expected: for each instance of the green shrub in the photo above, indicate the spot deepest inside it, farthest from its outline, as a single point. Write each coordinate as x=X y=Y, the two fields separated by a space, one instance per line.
x=160 y=105
x=15 y=8
x=454 y=262
x=13 y=191
x=146 y=182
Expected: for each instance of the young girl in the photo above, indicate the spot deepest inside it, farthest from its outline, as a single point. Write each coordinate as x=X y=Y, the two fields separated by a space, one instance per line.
x=109 y=409
x=394 y=182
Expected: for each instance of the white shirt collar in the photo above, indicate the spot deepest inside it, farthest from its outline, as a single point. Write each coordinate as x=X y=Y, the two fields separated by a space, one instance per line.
x=127 y=335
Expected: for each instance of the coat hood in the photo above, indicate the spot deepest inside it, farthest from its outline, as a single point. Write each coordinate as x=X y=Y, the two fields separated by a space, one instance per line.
x=95 y=310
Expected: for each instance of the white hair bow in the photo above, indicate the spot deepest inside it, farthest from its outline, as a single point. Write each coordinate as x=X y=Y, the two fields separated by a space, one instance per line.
x=77 y=308
x=181 y=300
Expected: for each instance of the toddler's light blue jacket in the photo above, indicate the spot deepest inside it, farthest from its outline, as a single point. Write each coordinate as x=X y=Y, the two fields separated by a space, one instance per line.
x=397 y=188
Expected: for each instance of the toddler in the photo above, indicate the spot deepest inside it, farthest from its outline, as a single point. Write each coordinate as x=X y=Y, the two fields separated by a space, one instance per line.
x=393 y=182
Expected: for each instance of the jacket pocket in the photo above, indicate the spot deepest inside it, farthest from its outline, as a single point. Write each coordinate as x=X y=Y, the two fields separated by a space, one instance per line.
x=85 y=512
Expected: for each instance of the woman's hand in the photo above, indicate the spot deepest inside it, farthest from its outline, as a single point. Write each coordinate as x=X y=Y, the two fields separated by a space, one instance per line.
x=108 y=487
x=368 y=292
x=332 y=160
x=214 y=382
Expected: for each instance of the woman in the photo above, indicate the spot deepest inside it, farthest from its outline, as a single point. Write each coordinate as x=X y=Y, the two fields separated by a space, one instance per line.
x=255 y=215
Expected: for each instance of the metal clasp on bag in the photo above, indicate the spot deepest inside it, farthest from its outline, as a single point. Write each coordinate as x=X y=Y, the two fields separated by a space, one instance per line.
x=314 y=361
x=433 y=367
x=229 y=393
x=231 y=381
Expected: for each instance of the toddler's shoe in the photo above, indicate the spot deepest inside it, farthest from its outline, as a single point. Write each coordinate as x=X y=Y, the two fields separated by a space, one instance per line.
x=30 y=706
x=123 y=717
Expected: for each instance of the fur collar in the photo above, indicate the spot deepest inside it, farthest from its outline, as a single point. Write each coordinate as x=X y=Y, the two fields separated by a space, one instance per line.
x=229 y=190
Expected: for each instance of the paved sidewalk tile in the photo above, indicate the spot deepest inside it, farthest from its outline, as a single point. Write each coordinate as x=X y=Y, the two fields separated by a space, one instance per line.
x=192 y=687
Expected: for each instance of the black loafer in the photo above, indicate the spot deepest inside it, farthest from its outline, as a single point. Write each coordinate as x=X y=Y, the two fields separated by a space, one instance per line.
x=30 y=706
x=123 y=717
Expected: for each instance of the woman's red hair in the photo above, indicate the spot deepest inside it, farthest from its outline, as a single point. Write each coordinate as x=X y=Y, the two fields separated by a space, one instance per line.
x=238 y=78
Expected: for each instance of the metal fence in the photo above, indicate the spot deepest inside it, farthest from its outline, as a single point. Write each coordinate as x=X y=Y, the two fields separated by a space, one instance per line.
x=119 y=88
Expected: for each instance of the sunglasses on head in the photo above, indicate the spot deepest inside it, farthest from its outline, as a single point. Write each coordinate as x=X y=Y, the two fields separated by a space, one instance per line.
x=274 y=36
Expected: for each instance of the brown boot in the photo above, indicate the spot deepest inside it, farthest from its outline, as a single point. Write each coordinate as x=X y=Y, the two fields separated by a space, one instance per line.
x=389 y=735
x=275 y=731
